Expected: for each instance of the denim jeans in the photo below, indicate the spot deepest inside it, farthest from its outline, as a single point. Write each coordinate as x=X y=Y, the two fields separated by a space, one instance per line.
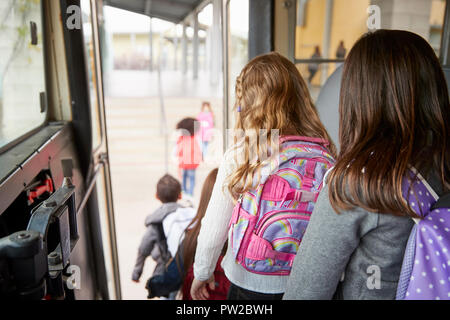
x=237 y=293
x=189 y=182
x=205 y=145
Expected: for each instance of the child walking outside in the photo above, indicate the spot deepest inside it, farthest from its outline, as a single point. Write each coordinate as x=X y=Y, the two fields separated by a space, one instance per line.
x=189 y=153
x=267 y=184
x=179 y=273
x=154 y=241
x=206 y=120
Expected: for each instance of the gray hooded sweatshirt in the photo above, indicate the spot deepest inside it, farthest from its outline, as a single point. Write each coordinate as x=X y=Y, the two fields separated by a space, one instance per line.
x=152 y=243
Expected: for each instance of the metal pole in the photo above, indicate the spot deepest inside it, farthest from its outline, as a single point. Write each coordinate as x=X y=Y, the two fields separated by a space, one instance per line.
x=291 y=7
x=327 y=38
x=148 y=8
x=184 y=44
x=196 y=46
x=151 y=44
x=226 y=65
x=175 y=45
x=216 y=43
x=445 y=41
x=164 y=127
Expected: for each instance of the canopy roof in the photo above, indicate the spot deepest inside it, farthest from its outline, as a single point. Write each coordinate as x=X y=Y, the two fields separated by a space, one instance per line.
x=171 y=10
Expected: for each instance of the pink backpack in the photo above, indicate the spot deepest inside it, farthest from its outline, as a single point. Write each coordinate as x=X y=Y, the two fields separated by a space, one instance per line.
x=268 y=223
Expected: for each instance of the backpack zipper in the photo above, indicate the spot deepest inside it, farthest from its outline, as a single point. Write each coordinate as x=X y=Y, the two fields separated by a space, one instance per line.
x=269 y=222
x=297 y=215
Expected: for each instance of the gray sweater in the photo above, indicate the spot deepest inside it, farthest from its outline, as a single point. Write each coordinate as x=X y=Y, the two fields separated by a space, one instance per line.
x=152 y=243
x=341 y=255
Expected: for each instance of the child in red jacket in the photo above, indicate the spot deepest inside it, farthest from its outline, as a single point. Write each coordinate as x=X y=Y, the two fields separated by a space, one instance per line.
x=189 y=153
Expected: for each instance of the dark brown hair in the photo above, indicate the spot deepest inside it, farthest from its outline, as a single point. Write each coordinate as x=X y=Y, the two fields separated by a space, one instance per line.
x=168 y=189
x=394 y=114
x=188 y=127
x=192 y=231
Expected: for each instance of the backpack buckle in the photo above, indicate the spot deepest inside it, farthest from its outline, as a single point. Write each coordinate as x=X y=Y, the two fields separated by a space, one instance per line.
x=301 y=196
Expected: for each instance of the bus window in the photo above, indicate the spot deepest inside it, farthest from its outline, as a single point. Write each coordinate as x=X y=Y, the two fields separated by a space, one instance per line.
x=327 y=29
x=23 y=101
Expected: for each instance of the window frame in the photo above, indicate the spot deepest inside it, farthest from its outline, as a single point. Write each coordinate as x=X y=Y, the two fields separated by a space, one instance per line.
x=31 y=132
x=444 y=52
x=95 y=123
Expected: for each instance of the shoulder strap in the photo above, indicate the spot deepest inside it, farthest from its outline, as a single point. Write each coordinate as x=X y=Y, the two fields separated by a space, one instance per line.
x=162 y=243
x=443 y=202
x=325 y=176
x=429 y=188
x=306 y=139
x=159 y=227
x=435 y=185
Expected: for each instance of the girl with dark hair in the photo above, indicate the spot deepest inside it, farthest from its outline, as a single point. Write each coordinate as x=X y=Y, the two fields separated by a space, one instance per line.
x=394 y=115
x=219 y=292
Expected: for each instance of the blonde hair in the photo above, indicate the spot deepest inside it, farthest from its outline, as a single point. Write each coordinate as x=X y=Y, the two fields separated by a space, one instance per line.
x=270 y=95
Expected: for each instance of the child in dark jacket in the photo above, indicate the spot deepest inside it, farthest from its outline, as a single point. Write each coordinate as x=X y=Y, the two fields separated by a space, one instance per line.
x=154 y=241
x=179 y=272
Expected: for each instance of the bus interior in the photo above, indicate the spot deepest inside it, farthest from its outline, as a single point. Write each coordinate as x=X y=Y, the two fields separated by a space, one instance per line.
x=84 y=136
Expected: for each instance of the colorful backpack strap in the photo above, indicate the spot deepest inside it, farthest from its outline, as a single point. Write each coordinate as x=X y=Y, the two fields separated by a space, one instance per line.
x=325 y=176
x=278 y=189
x=305 y=139
x=308 y=179
x=301 y=196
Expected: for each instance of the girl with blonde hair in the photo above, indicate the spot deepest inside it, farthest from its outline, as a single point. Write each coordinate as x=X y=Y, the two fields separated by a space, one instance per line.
x=273 y=108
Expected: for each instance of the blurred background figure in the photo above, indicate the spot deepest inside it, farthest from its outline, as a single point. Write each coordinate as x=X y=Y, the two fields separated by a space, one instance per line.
x=189 y=154
x=206 y=119
x=341 y=51
x=314 y=67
